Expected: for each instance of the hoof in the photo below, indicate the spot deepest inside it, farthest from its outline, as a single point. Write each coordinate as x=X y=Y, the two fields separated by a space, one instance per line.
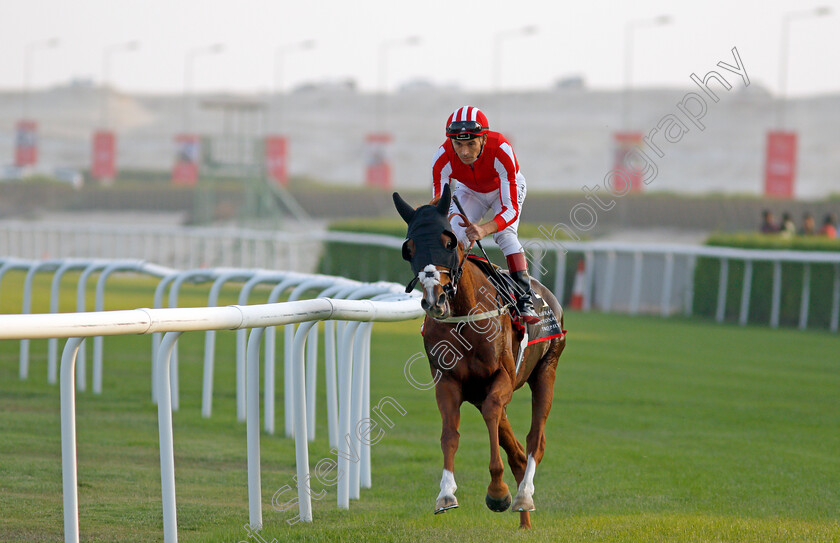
x=522 y=503
x=497 y=504
x=444 y=504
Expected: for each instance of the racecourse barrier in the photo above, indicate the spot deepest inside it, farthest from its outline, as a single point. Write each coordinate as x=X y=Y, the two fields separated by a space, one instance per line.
x=173 y=322
x=632 y=278
x=174 y=280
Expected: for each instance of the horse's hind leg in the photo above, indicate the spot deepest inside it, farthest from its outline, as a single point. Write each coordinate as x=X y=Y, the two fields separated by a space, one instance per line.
x=542 y=391
x=516 y=460
x=492 y=409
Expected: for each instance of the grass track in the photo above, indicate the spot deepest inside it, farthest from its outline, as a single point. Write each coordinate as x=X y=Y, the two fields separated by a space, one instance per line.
x=661 y=431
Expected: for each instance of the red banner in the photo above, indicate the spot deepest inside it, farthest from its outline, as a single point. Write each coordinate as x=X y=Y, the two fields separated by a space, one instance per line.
x=26 y=143
x=185 y=171
x=378 y=172
x=625 y=143
x=104 y=158
x=780 y=164
x=276 y=148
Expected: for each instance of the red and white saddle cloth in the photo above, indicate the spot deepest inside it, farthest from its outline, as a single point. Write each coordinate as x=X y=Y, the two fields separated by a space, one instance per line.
x=548 y=327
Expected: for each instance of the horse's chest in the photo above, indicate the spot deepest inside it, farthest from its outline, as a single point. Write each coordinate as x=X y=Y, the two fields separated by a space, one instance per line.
x=478 y=360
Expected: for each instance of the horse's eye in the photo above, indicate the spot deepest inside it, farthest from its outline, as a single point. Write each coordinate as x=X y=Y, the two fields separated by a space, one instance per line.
x=408 y=250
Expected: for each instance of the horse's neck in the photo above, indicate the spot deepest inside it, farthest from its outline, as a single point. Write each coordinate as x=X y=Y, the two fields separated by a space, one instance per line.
x=475 y=292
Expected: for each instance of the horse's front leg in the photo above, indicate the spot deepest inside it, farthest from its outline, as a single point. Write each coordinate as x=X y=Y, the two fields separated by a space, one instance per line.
x=448 y=395
x=492 y=408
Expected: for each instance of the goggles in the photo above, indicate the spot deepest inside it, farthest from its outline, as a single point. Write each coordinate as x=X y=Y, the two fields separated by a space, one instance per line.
x=463 y=130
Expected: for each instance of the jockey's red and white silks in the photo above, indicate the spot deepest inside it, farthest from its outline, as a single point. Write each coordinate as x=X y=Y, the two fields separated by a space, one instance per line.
x=468 y=113
x=495 y=169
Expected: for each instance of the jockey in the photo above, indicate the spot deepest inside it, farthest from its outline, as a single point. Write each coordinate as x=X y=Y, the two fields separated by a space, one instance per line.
x=488 y=173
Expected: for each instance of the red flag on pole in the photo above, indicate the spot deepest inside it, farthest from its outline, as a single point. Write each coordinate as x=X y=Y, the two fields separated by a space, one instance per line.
x=780 y=164
x=26 y=143
x=276 y=148
x=103 y=160
x=625 y=143
x=378 y=172
x=185 y=171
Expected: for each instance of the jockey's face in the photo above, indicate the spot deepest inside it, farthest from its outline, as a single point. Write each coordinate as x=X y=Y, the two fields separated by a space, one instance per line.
x=469 y=150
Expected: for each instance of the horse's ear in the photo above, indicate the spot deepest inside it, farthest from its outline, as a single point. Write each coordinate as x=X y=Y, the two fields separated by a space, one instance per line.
x=445 y=200
x=405 y=210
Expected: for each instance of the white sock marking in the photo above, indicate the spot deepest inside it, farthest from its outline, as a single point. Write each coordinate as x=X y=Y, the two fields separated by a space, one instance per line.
x=526 y=487
x=447 y=484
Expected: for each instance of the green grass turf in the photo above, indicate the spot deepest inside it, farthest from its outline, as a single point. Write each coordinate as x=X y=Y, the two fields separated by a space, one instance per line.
x=662 y=430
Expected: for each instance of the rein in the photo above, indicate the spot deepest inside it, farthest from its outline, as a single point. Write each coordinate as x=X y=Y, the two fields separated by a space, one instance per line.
x=455 y=277
x=500 y=283
x=451 y=289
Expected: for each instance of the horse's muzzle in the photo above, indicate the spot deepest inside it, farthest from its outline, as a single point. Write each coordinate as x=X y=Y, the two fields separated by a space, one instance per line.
x=438 y=310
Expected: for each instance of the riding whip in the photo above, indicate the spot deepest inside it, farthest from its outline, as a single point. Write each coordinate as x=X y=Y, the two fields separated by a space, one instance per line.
x=500 y=281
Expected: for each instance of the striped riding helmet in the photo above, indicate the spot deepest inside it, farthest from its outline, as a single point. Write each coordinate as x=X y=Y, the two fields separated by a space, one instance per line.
x=466 y=123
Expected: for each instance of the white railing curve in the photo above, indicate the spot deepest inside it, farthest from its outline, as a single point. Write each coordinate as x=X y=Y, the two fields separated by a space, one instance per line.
x=173 y=322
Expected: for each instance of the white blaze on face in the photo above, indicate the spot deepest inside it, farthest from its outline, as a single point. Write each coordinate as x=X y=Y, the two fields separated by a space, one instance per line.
x=447 y=484
x=429 y=277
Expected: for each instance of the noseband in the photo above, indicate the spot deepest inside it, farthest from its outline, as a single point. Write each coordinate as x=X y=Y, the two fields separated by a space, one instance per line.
x=450 y=289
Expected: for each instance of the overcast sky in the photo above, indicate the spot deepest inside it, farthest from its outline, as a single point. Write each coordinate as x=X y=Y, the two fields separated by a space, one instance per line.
x=458 y=45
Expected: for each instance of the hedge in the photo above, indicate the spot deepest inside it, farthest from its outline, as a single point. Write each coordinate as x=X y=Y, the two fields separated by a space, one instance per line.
x=365 y=263
x=707 y=273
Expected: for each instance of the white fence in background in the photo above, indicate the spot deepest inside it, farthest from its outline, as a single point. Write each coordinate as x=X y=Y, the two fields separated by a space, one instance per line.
x=176 y=247
x=347 y=405
x=659 y=278
x=620 y=277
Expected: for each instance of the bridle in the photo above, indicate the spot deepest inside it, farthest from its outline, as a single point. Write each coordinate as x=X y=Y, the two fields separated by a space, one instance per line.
x=425 y=224
x=451 y=288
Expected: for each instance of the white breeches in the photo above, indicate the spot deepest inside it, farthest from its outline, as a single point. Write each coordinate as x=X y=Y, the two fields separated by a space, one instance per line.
x=476 y=204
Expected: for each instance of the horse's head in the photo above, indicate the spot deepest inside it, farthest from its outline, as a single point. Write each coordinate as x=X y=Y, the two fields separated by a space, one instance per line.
x=432 y=249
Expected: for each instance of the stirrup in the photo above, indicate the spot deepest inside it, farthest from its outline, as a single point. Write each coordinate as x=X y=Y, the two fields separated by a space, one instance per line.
x=527 y=314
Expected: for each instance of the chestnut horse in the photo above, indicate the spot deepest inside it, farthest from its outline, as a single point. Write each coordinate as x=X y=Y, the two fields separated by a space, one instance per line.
x=473 y=350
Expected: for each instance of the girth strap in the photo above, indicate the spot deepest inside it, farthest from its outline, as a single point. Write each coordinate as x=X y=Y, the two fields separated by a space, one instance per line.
x=477 y=316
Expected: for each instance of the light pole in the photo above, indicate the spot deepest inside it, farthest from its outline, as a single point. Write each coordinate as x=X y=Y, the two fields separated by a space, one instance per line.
x=106 y=72
x=499 y=38
x=27 y=67
x=783 y=57
x=103 y=165
x=629 y=31
x=279 y=65
x=384 y=48
x=781 y=151
x=188 y=73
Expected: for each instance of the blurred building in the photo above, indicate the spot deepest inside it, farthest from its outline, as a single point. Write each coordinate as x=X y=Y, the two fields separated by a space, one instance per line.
x=562 y=136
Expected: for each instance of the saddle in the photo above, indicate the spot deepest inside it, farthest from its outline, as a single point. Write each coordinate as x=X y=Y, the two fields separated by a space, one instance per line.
x=547 y=328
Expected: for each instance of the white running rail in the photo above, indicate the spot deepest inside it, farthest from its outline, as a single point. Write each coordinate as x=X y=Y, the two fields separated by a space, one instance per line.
x=173 y=322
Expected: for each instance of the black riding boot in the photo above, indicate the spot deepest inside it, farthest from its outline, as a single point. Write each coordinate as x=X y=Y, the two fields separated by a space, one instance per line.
x=523 y=297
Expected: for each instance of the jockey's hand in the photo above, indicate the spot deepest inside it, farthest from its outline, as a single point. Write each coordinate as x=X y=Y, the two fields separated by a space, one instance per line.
x=476 y=232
